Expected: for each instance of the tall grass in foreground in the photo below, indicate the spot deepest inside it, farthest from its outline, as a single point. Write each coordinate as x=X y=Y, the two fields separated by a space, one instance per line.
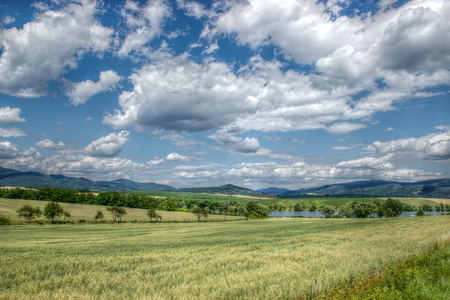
x=260 y=259
x=422 y=276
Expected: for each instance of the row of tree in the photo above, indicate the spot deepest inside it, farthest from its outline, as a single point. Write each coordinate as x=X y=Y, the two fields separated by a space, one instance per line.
x=354 y=209
x=113 y=199
x=51 y=211
x=252 y=208
x=303 y=206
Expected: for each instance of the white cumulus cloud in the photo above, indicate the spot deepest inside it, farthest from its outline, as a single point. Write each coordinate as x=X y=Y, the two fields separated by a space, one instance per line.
x=11 y=132
x=44 y=48
x=79 y=93
x=10 y=115
x=435 y=146
x=108 y=146
x=144 y=23
x=48 y=144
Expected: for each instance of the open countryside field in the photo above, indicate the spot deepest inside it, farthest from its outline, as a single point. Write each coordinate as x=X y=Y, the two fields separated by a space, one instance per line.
x=317 y=201
x=8 y=208
x=421 y=201
x=257 y=259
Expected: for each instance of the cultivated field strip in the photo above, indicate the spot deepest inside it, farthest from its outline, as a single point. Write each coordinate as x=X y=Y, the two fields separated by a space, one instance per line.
x=259 y=259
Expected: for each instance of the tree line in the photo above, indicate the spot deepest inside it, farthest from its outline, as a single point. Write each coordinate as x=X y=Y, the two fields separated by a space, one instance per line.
x=251 y=209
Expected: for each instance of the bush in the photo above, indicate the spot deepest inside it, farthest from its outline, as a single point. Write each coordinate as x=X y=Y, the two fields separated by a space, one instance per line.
x=5 y=221
x=420 y=213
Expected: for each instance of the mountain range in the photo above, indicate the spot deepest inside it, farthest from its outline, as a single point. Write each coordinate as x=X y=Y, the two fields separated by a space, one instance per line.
x=437 y=188
x=10 y=177
x=227 y=189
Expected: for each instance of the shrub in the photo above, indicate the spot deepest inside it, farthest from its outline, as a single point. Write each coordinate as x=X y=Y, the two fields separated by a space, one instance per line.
x=420 y=213
x=5 y=221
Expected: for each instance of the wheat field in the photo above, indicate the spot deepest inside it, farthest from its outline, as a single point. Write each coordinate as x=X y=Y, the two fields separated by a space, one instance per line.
x=256 y=259
x=8 y=208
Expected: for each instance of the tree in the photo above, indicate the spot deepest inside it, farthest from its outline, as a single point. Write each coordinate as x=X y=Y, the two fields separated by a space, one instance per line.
x=200 y=212
x=99 y=215
x=29 y=213
x=390 y=213
x=152 y=214
x=225 y=207
x=66 y=215
x=281 y=207
x=364 y=209
x=256 y=209
x=328 y=211
x=395 y=205
x=117 y=212
x=312 y=207
x=53 y=209
x=381 y=211
x=346 y=210
x=171 y=205
x=298 y=207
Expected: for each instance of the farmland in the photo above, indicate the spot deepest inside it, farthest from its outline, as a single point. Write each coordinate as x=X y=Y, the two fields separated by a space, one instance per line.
x=270 y=258
x=8 y=208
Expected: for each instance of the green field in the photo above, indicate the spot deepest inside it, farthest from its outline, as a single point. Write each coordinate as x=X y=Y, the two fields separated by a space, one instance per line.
x=256 y=259
x=8 y=208
x=333 y=201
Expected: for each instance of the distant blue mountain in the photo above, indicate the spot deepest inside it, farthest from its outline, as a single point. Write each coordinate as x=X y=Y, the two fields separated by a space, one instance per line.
x=10 y=177
x=436 y=188
x=273 y=191
x=227 y=189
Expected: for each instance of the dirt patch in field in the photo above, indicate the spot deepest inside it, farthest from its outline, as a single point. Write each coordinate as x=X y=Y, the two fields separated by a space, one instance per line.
x=437 y=200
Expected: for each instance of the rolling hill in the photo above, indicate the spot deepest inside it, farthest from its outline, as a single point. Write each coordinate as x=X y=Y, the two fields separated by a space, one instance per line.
x=227 y=189
x=9 y=177
x=437 y=188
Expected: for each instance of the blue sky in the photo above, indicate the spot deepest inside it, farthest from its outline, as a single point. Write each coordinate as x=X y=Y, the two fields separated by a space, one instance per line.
x=293 y=94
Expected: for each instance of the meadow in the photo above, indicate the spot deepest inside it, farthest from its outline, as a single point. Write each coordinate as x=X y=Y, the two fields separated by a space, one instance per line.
x=9 y=207
x=317 y=201
x=255 y=259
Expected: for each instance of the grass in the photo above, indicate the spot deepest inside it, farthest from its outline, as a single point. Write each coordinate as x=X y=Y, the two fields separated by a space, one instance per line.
x=418 y=201
x=336 y=201
x=306 y=202
x=422 y=276
x=258 y=259
x=8 y=208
